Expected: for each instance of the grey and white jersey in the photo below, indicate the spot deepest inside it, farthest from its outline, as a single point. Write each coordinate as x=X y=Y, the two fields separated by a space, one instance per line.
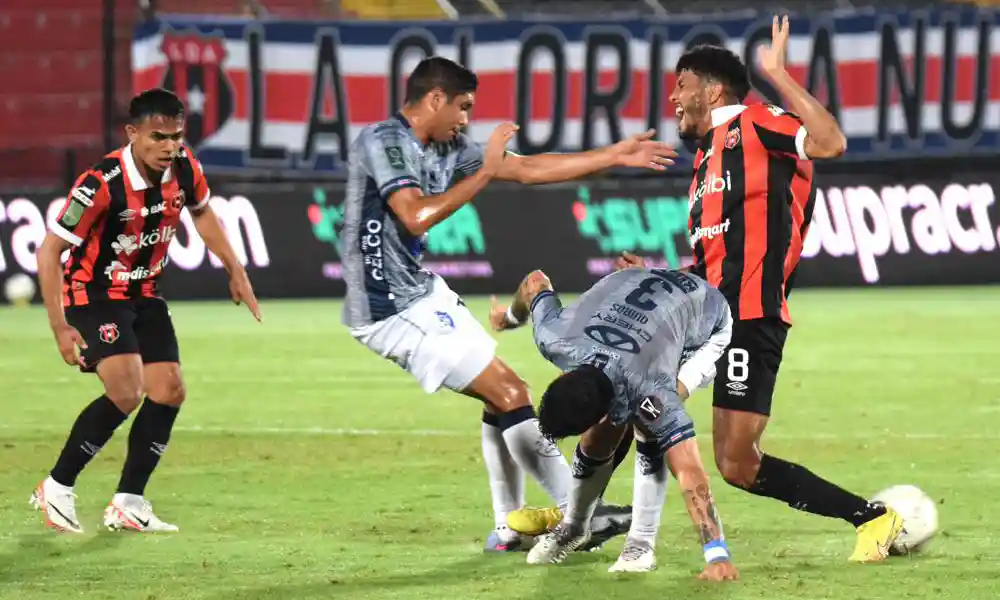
x=635 y=325
x=381 y=259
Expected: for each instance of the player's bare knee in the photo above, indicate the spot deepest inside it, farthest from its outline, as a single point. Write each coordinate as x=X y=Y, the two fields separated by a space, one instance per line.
x=512 y=395
x=738 y=469
x=165 y=384
x=125 y=391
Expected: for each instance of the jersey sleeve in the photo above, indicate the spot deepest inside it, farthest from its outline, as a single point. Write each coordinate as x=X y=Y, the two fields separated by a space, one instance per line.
x=470 y=157
x=392 y=161
x=781 y=133
x=545 y=311
x=202 y=192
x=710 y=339
x=86 y=204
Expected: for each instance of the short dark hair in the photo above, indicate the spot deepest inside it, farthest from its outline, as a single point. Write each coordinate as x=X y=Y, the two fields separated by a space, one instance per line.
x=440 y=73
x=720 y=64
x=574 y=402
x=153 y=102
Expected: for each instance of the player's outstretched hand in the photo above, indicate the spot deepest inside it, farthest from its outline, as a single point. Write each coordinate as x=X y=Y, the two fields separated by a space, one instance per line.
x=772 y=57
x=496 y=146
x=498 y=316
x=69 y=339
x=643 y=152
x=242 y=293
x=628 y=260
x=720 y=571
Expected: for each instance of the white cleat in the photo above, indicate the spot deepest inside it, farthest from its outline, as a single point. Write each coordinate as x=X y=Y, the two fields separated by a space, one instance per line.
x=58 y=503
x=636 y=557
x=128 y=512
x=554 y=547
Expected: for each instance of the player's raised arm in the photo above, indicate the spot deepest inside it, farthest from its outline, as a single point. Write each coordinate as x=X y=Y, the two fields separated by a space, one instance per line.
x=419 y=213
x=821 y=136
x=516 y=314
x=638 y=151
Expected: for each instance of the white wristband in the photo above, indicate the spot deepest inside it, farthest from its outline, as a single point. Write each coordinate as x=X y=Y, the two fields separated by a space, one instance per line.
x=511 y=319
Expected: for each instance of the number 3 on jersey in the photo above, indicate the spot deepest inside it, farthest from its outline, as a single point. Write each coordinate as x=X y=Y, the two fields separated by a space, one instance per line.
x=739 y=365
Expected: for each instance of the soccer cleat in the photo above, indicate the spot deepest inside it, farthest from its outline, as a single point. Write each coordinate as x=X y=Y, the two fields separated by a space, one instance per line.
x=875 y=537
x=58 y=503
x=504 y=539
x=534 y=521
x=554 y=547
x=608 y=521
x=134 y=513
x=637 y=557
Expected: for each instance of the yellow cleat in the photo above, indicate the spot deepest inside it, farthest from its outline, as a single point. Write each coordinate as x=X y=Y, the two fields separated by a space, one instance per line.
x=875 y=537
x=534 y=521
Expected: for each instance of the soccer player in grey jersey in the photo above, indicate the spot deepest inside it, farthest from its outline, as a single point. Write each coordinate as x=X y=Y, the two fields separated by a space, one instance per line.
x=407 y=174
x=630 y=349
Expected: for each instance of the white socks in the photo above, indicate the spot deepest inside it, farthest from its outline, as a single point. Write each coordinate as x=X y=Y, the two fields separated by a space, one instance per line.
x=506 y=477
x=536 y=454
x=649 y=492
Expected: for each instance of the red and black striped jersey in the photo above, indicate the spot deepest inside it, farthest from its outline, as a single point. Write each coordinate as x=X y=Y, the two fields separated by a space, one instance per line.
x=751 y=202
x=120 y=226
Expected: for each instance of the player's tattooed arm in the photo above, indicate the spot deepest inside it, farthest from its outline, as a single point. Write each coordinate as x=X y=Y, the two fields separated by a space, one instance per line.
x=685 y=463
x=519 y=310
x=701 y=507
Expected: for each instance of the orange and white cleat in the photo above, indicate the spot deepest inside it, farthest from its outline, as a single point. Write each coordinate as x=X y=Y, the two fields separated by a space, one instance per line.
x=128 y=512
x=58 y=503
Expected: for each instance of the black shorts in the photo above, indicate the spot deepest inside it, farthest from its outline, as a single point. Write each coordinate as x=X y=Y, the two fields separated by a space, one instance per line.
x=112 y=327
x=746 y=373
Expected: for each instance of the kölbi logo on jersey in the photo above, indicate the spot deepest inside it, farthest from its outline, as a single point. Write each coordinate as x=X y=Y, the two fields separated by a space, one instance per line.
x=712 y=184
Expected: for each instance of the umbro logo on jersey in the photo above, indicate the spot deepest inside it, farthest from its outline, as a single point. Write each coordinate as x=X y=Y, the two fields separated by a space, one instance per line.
x=736 y=385
x=127 y=215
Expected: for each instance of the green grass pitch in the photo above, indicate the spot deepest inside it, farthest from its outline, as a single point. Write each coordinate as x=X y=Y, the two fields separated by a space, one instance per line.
x=305 y=467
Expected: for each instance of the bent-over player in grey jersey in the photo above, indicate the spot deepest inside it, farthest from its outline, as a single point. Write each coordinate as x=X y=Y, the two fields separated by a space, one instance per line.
x=630 y=348
x=407 y=174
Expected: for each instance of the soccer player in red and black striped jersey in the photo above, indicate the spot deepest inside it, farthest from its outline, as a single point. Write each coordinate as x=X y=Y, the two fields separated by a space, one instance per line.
x=751 y=202
x=117 y=222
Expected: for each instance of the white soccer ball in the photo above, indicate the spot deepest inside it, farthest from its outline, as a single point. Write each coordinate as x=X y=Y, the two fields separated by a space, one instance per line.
x=19 y=289
x=919 y=512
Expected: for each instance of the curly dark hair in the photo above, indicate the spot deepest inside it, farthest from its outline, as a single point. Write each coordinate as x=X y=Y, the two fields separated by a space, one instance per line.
x=574 y=402
x=720 y=64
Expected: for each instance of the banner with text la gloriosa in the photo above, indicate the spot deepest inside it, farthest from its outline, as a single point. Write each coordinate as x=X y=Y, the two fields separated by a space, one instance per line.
x=291 y=96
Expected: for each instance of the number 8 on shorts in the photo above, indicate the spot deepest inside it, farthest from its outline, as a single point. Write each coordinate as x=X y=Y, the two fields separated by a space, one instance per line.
x=746 y=372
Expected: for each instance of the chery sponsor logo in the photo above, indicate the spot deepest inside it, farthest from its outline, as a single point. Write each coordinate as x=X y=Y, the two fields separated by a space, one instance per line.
x=22 y=229
x=905 y=219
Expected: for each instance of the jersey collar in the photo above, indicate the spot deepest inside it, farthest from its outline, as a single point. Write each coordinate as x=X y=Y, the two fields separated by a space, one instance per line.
x=726 y=113
x=134 y=175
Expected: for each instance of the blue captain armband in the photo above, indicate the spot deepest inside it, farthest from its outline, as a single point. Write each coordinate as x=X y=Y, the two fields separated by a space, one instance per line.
x=716 y=551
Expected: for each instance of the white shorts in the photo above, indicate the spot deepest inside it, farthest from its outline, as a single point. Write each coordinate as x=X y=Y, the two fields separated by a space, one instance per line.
x=437 y=340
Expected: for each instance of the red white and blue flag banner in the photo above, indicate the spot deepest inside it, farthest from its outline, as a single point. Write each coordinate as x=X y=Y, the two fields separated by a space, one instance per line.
x=291 y=96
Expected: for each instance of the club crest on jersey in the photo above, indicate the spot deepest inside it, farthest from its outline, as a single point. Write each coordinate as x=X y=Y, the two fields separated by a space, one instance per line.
x=108 y=332
x=732 y=138
x=445 y=320
x=195 y=73
x=177 y=202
